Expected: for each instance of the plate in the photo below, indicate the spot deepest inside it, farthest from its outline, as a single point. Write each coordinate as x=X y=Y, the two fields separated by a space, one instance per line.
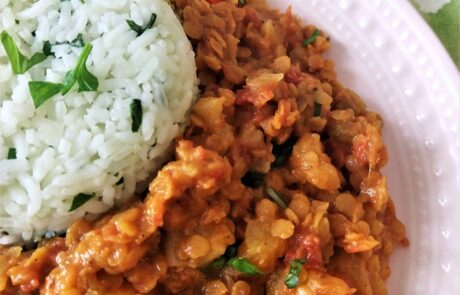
x=385 y=52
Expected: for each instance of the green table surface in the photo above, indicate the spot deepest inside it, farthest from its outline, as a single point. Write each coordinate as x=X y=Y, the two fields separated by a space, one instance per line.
x=446 y=24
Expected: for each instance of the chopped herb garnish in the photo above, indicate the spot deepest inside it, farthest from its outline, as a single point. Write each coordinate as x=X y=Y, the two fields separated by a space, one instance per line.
x=77 y=42
x=19 y=63
x=241 y=3
x=292 y=278
x=11 y=154
x=312 y=38
x=80 y=74
x=253 y=179
x=42 y=91
x=140 y=30
x=120 y=181
x=283 y=151
x=317 y=110
x=243 y=265
x=276 y=197
x=79 y=200
x=47 y=48
x=136 y=114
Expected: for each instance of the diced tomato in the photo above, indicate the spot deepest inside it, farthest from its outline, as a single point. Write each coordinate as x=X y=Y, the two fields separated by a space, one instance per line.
x=305 y=245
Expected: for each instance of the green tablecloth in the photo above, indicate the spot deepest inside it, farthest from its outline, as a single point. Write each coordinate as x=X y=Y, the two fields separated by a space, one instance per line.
x=445 y=22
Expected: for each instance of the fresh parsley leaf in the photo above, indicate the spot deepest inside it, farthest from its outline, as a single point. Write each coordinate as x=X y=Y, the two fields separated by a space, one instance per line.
x=312 y=38
x=80 y=74
x=253 y=179
x=19 y=63
x=243 y=265
x=42 y=91
x=136 y=114
x=317 y=110
x=11 y=154
x=241 y=3
x=276 y=197
x=292 y=278
x=140 y=30
x=79 y=200
x=283 y=151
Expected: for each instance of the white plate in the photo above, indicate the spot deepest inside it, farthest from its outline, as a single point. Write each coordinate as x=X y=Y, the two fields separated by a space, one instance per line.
x=386 y=52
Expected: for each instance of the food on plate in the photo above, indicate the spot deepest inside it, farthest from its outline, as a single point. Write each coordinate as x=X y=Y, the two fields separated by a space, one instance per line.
x=92 y=95
x=274 y=188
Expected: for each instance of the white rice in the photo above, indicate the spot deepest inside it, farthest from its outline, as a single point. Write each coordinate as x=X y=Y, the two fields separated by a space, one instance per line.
x=82 y=142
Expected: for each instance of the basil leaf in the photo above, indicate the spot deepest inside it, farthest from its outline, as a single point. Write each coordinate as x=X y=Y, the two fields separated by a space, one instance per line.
x=241 y=3
x=312 y=38
x=243 y=265
x=317 y=110
x=79 y=200
x=19 y=63
x=11 y=154
x=42 y=91
x=253 y=179
x=140 y=30
x=283 y=151
x=292 y=278
x=276 y=197
x=136 y=114
x=80 y=74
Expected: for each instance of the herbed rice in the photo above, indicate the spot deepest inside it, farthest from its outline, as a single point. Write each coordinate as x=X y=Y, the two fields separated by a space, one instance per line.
x=83 y=142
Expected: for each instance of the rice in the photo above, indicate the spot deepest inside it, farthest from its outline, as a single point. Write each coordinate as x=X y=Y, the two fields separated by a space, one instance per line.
x=83 y=142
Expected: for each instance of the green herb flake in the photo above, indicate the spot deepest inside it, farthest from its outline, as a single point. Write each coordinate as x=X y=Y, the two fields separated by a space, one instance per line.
x=140 y=30
x=292 y=278
x=283 y=151
x=11 y=154
x=42 y=91
x=317 y=110
x=276 y=197
x=19 y=63
x=79 y=200
x=47 y=48
x=80 y=74
x=77 y=42
x=241 y=3
x=253 y=179
x=243 y=265
x=312 y=38
x=136 y=114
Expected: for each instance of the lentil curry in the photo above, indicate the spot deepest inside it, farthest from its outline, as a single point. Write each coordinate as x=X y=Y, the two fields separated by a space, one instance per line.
x=275 y=186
